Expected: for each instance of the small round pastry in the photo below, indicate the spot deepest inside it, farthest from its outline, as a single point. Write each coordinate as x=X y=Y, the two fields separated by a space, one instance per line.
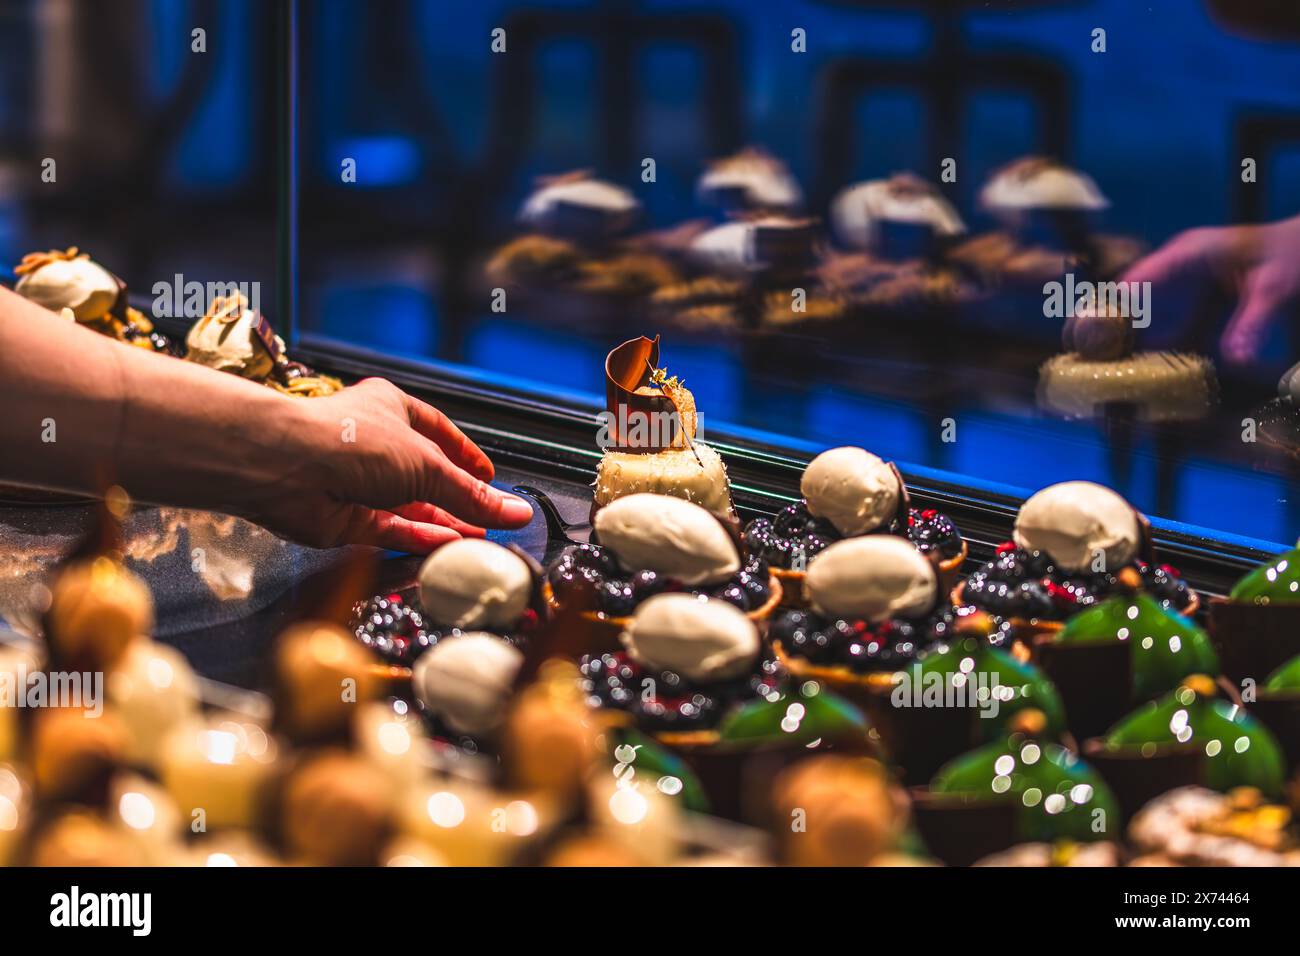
x=73 y=753
x=151 y=690
x=1100 y=371
x=220 y=770
x=848 y=492
x=97 y=608
x=146 y=812
x=669 y=536
x=752 y=179
x=335 y=811
x=700 y=639
x=687 y=660
x=390 y=735
x=1072 y=543
x=475 y=584
x=321 y=673
x=78 y=839
x=851 y=812
x=550 y=740
x=465 y=682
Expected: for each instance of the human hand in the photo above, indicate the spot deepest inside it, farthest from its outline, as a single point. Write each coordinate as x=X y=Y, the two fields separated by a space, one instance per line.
x=1257 y=267
x=372 y=465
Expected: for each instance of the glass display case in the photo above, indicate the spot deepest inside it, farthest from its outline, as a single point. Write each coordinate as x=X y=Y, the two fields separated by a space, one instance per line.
x=1001 y=248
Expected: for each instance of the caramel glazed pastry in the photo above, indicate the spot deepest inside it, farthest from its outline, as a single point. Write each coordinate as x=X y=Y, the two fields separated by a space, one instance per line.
x=231 y=337
x=897 y=230
x=1045 y=209
x=78 y=288
x=649 y=435
x=575 y=240
x=1099 y=370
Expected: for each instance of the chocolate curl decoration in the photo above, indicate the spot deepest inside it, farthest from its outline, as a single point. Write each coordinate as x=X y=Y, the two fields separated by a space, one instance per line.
x=629 y=367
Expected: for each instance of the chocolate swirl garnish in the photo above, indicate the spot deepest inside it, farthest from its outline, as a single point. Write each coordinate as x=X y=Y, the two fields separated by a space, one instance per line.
x=648 y=411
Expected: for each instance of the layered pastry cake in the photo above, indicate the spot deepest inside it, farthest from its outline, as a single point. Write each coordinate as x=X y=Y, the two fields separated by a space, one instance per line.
x=849 y=492
x=1100 y=372
x=897 y=229
x=1071 y=540
x=72 y=284
x=649 y=435
x=1047 y=212
x=233 y=337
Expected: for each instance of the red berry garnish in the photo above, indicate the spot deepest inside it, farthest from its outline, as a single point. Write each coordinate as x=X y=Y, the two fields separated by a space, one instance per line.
x=1006 y=547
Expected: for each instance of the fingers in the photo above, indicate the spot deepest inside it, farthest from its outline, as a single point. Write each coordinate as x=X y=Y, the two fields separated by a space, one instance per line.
x=1184 y=260
x=1264 y=302
x=431 y=514
x=469 y=498
x=440 y=430
x=382 y=529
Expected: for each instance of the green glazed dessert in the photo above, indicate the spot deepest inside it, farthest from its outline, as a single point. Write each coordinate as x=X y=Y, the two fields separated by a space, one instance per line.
x=1257 y=626
x=1286 y=678
x=1056 y=795
x=1274 y=582
x=1237 y=749
x=805 y=717
x=1165 y=646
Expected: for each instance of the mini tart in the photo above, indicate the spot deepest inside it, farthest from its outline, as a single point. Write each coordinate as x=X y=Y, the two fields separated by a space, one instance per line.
x=1117 y=653
x=602 y=630
x=1055 y=596
x=920 y=738
x=774 y=539
x=1257 y=626
x=1188 y=733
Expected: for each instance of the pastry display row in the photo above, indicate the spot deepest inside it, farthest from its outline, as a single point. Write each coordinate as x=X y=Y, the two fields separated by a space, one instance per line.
x=680 y=681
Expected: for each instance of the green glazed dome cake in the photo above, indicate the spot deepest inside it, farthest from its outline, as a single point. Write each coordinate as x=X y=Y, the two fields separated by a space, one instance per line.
x=1275 y=582
x=1239 y=750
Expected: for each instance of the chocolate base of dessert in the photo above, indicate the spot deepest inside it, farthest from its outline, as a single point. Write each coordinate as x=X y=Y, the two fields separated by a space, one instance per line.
x=1253 y=640
x=1139 y=774
x=1279 y=711
x=1093 y=681
x=958 y=830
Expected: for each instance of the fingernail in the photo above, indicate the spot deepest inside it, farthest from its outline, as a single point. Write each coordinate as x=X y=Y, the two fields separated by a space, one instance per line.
x=515 y=509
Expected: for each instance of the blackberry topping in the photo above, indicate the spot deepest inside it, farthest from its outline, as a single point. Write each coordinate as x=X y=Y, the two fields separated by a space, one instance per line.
x=794 y=537
x=860 y=645
x=1019 y=583
x=394 y=629
x=933 y=531
x=664 y=700
x=616 y=598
